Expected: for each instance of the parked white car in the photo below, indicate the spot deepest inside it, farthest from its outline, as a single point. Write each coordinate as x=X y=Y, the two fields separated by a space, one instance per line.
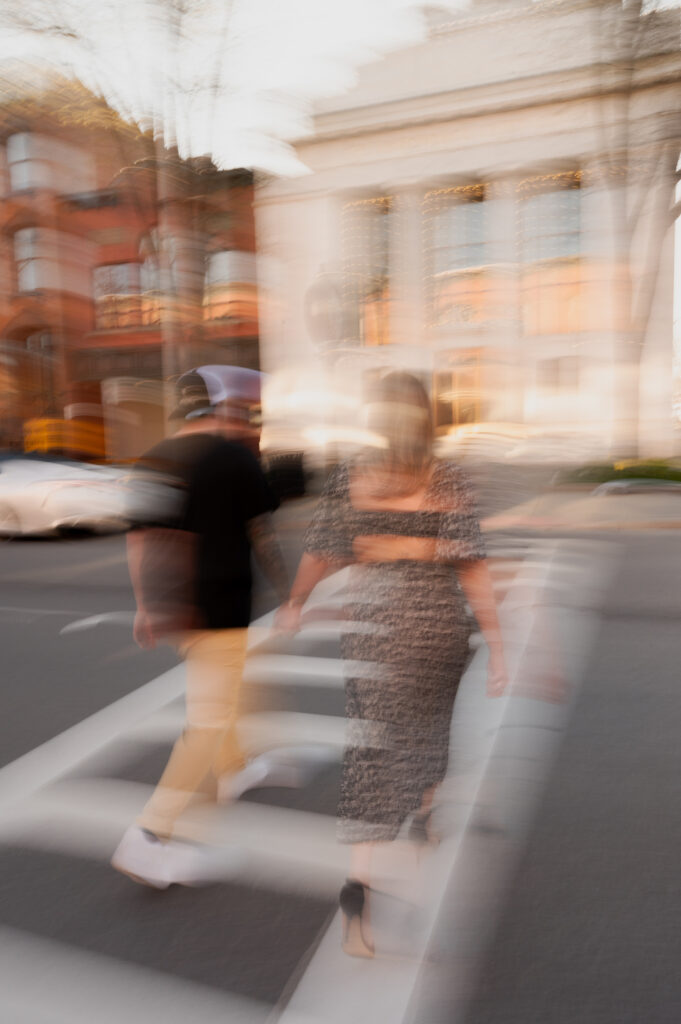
x=45 y=497
x=568 y=446
x=481 y=442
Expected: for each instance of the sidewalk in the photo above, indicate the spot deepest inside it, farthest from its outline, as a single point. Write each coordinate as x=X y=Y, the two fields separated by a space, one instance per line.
x=589 y=918
x=560 y=510
x=556 y=510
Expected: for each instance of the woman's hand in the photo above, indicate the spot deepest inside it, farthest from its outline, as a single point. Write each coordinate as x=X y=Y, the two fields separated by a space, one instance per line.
x=287 y=617
x=497 y=676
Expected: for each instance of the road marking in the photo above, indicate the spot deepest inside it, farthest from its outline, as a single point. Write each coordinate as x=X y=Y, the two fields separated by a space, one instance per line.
x=296 y=669
x=125 y=618
x=273 y=846
x=59 y=573
x=63 y=753
x=46 y=982
x=41 y=611
x=260 y=731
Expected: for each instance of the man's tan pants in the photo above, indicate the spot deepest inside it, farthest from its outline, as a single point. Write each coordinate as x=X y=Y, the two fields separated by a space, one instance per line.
x=208 y=744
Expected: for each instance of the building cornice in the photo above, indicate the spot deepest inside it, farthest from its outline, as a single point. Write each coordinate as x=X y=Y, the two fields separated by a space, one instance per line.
x=566 y=85
x=511 y=13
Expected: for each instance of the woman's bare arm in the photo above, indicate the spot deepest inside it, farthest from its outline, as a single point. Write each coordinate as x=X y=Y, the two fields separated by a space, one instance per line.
x=476 y=583
x=311 y=571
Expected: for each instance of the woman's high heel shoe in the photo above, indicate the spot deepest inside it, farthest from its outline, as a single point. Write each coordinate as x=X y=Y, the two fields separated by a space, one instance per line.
x=352 y=903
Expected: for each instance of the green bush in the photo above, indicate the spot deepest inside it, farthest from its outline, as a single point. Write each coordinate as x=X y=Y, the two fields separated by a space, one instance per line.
x=600 y=473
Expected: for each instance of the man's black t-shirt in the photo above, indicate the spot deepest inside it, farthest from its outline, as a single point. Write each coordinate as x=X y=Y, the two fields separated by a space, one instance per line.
x=224 y=487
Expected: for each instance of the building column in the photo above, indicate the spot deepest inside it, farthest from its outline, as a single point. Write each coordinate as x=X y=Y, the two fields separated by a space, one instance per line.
x=514 y=359
x=602 y=374
x=406 y=268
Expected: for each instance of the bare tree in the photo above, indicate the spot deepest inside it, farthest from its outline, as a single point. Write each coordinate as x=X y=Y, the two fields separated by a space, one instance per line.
x=638 y=47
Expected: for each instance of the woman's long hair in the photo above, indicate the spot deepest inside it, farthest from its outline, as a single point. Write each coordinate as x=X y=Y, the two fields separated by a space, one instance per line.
x=398 y=410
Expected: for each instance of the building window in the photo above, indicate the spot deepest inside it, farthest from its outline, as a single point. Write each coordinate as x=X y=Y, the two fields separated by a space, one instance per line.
x=550 y=242
x=30 y=360
x=117 y=279
x=117 y=296
x=461 y=288
x=46 y=162
x=127 y=294
x=550 y=216
x=26 y=257
x=366 y=230
x=230 y=286
x=52 y=260
x=459 y=231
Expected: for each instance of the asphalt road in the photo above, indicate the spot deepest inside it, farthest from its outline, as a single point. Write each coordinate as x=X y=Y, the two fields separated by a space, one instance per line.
x=584 y=930
x=53 y=677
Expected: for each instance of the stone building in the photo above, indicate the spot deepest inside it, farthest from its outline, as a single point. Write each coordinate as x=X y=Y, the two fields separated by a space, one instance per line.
x=491 y=208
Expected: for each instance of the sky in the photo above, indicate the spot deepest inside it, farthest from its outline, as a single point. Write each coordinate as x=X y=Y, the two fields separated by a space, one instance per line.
x=238 y=81
x=241 y=79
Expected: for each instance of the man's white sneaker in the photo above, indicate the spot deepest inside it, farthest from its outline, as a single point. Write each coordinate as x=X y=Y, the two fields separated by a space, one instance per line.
x=187 y=863
x=142 y=857
x=160 y=863
x=196 y=864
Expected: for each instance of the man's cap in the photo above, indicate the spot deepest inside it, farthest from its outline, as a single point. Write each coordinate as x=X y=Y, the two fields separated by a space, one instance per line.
x=204 y=387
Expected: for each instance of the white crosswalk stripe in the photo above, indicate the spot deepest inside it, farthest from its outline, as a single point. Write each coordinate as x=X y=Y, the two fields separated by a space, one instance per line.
x=44 y=982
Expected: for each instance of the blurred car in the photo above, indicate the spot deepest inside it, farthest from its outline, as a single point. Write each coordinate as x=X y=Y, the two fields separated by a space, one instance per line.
x=639 y=485
x=566 y=446
x=480 y=442
x=43 y=497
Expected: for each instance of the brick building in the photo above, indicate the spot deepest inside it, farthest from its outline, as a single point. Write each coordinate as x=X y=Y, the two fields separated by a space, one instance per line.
x=120 y=266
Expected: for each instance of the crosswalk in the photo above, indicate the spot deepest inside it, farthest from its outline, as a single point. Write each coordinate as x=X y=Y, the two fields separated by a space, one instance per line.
x=64 y=796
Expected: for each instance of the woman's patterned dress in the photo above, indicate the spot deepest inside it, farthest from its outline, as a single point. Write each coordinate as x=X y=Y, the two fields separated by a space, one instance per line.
x=408 y=650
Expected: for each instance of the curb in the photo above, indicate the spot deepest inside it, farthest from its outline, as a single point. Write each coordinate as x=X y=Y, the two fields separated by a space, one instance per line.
x=556 y=527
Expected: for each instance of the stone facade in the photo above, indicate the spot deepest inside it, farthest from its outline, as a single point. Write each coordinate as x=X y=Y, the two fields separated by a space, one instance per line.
x=489 y=208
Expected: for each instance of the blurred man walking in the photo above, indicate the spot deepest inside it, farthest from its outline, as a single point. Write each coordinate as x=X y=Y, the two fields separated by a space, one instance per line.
x=190 y=565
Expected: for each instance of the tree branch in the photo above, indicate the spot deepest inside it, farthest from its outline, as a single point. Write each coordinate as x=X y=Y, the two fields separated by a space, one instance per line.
x=642 y=301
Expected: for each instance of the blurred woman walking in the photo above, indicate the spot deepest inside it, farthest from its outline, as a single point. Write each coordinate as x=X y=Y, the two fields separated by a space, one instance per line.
x=406 y=523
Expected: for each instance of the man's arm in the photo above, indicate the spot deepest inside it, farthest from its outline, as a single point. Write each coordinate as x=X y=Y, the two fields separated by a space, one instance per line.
x=142 y=630
x=268 y=553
